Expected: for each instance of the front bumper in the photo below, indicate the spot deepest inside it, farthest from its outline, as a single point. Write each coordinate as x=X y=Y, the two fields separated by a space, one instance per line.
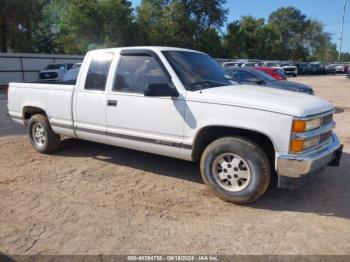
x=294 y=170
x=291 y=71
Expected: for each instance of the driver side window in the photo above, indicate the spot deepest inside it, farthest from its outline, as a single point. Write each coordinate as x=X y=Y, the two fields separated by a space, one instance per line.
x=136 y=72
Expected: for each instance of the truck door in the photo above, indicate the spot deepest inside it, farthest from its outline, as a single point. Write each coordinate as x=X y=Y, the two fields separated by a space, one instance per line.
x=143 y=122
x=91 y=97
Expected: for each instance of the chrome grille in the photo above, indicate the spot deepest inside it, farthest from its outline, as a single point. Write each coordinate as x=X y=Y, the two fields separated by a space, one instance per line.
x=48 y=75
x=325 y=137
x=326 y=120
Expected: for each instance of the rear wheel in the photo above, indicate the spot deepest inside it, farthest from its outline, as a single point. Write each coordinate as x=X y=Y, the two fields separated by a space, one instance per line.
x=236 y=169
x=41 y=135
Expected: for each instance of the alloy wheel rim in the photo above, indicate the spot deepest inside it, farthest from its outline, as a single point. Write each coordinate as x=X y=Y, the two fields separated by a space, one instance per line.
x=38 y=134
x=231 y=172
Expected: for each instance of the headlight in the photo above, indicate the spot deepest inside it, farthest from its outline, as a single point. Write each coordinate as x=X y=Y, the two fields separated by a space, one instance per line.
x=301 y=126
x=299 y=145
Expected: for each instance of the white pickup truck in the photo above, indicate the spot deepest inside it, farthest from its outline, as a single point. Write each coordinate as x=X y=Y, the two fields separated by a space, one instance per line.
x=179 y=103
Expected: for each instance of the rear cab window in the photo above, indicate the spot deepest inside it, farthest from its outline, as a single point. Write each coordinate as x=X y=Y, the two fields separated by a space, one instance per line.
x=97 y=74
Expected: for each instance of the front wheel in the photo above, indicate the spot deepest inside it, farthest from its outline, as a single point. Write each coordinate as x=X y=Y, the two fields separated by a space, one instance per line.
x=41 y=135
x=236 y=169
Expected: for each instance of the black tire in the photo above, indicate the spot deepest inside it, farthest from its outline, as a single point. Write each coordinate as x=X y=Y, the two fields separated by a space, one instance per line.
x=254 y=157
x=51 y=140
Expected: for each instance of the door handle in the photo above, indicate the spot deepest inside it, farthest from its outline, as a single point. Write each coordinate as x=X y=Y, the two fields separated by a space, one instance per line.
x=112 y=102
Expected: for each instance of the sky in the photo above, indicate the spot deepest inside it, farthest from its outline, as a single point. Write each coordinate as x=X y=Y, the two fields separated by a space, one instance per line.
x=329 y=12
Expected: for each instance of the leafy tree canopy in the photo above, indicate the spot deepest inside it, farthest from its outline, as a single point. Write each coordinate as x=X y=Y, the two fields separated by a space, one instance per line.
x=76 y=26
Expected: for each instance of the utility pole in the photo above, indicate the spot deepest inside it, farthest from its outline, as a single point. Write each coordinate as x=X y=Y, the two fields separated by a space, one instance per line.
x=342 y=31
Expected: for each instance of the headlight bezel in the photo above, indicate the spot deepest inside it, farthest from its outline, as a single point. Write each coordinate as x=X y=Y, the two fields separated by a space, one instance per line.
x=306 y=132
x=306 y=125
x=298 y=146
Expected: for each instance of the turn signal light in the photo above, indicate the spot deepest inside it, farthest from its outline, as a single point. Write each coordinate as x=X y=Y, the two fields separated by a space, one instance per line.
x=299 y=126
x=300 y=145
x=297 y=146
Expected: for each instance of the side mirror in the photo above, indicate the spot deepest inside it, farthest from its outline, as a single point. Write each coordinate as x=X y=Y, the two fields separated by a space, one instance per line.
x=161 y=90
x=258 y=81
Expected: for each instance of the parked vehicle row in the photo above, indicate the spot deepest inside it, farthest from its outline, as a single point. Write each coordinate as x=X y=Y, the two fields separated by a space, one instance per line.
x=180 y=103
x=295 y=69
x=69 y=72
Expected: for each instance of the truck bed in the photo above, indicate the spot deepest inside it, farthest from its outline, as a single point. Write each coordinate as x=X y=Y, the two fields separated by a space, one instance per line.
x=55 y=99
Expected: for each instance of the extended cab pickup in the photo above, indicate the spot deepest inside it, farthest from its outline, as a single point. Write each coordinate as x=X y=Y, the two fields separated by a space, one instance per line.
x=179 y=103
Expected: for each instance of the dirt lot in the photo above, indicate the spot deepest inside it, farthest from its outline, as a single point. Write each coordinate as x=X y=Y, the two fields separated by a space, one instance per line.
x=96 y=199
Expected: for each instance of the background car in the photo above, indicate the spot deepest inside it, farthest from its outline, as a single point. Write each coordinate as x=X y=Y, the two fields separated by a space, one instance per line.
x=249 y=64
x=348 y=74
x=304 y=69
x=330 y=69
x=290 y=69
x=72 y=74
x=271 y=65
x=229 y=64
x=318 y=69
x=54 y=72
x=339 y=68
x=275 y=73
x=255 y=77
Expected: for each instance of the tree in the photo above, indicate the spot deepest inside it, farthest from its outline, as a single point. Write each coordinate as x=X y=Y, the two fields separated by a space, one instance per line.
x=345 y=57
x=119 y=26
x=209 y=41
x=291 y=24
x=288 y=35
x=232 y=41
x=207 y=14
x=88 y=24
x=250 y=38
x=18 y=21
x=183 y=23
x=76 y=26
x=45 y=37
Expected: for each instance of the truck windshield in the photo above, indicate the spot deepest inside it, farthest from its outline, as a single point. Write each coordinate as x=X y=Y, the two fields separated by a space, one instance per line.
x=197 y=70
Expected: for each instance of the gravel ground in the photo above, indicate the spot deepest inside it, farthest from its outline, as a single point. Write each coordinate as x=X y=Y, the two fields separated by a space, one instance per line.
x=97 y=199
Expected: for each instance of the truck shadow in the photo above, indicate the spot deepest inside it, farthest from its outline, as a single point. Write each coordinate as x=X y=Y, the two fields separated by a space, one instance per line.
x=156 y=164
x=327 y=195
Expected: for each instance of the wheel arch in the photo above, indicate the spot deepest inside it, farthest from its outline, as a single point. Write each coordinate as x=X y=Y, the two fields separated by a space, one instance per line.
x=208 y=134
x=29 y=111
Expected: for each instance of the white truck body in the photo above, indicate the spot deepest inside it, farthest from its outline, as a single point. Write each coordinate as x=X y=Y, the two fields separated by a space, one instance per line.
x=171 y=126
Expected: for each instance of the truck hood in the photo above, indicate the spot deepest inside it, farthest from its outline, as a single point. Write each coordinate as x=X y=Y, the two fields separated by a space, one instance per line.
x=58 y=71
x=262 y=98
